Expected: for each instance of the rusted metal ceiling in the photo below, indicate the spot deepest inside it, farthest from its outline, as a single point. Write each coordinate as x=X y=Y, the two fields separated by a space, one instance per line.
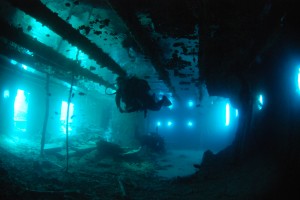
x=160 y=37
x=41 y=54
x=43 y=14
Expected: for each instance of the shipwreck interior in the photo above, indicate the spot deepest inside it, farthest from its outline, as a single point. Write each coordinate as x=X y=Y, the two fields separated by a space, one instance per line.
x=231 y=70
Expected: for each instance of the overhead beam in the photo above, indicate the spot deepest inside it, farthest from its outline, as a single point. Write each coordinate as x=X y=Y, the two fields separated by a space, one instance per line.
x=43 y=54
x=50 y=19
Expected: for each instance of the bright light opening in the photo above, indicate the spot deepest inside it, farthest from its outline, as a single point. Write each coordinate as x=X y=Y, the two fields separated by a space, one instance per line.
x=227 y=115
x=6 y=93
x=260 y=102
x=13 y=62
x=20 y=110
x=190 y=124
x=64 y=110
x=63 y=116
x=170 y=123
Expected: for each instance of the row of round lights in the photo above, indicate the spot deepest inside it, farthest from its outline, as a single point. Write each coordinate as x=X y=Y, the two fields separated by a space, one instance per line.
x=170 y=123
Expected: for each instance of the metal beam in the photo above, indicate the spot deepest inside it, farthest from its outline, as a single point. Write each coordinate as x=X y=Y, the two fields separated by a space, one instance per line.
x=50 y=19
x=43 y=54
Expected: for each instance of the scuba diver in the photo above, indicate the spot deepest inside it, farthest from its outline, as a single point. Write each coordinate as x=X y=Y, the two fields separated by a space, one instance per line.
x=135 y=93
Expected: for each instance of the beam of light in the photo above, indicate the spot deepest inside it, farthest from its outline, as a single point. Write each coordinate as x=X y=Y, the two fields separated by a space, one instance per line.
x=13 y=62
x=260 y=102
x=6 y=93
x=236 y=112
x=169 y=123
x=227 y=115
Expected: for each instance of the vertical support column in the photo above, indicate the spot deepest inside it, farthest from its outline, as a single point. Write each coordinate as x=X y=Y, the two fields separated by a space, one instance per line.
x=67 y=124
x=46 y=115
